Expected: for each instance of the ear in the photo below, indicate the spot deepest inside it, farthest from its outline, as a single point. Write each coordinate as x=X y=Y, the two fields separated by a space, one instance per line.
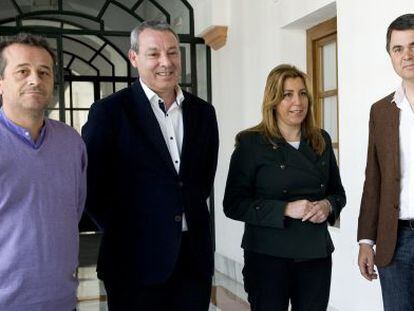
x=133 y=58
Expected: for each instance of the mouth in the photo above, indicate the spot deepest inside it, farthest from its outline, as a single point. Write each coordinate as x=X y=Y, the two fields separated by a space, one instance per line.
x=165 y=73
x=297 y=111
x=32 y=92
x=409 y=66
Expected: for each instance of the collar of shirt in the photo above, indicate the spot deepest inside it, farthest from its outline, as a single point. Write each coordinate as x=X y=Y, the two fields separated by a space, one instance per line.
x=399 y=97
x=22 y=132
x=154 y=98
x=406 y=149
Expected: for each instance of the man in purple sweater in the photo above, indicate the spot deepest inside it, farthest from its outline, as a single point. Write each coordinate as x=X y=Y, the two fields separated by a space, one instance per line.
x=42 y=184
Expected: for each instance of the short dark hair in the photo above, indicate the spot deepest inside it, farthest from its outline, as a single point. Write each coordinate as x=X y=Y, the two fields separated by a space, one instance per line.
x=25 y=39
x=152 y=24
x=403 y=22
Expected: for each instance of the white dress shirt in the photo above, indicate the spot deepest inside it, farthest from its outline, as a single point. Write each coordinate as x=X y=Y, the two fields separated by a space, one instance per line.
x=171 y=125
x=406 y=131
x=406 y=145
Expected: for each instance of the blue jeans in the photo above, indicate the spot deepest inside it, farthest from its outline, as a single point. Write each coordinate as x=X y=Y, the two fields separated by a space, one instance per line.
x=397 y=279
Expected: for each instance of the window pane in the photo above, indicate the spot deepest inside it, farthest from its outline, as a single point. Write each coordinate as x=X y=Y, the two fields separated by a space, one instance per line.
x=329 y=66
x=185 y=63
x=180 y=17
x=201 y=71
x=7 y=10
x=82 y=95
x=330 y=117
x=336 y=152
x=76 y=118
x=53 y=114
x=107 y=88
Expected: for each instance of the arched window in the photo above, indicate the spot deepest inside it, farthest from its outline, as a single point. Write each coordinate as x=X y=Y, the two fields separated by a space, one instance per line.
x=91 y=40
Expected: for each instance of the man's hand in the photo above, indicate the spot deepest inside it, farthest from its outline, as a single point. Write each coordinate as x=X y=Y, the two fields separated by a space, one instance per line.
x=366 y=262
x=298 y=209
x=319 y=212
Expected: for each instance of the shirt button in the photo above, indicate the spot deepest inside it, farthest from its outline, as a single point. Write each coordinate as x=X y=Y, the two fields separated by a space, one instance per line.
x=282 y=166
x=171 y=138
x=176 y=161
x=322 y=186
x=177 y=218
x=284 y=191
x=257 y=208
x=26 y=133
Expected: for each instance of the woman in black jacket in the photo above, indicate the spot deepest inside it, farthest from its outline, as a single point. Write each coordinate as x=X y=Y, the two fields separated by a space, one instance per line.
x=284 y=184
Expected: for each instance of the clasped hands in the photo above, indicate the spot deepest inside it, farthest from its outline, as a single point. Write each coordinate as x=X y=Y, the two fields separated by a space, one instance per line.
x=316 y=212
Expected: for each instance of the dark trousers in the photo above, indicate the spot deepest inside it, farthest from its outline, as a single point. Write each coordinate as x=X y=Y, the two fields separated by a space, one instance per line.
x=397 y=279
x=271 y=282
x=184 y=290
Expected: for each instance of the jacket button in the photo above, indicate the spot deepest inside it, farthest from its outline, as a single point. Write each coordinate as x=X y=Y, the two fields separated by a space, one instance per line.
x=323 y=163
x=180 y=184
x=177 y=218
x=257 y=208
x=282 y=166
x=284 y=191
x=322 y=186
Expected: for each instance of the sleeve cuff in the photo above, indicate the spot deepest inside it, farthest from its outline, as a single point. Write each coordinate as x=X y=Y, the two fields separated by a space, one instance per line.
x=366 y=241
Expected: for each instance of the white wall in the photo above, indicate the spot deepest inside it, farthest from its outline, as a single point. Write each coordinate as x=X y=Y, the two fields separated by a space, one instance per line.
x=263 y=34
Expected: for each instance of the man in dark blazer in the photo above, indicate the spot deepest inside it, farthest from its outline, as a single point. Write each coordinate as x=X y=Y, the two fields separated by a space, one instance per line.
x=153 y=153
x=387 y=207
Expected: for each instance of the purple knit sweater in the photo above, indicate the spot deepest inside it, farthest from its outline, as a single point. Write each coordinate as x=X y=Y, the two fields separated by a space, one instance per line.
x=42 y=194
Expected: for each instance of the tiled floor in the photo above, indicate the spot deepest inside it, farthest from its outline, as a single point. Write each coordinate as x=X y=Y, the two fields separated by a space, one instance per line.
x=227 y=295
x=92 y=297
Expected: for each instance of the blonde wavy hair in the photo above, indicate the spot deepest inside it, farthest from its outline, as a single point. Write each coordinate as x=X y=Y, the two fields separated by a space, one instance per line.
x=273 y=95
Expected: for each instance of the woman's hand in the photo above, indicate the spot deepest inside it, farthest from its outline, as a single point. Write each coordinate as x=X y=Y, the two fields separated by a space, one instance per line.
x=319 y=212
x=298 y=209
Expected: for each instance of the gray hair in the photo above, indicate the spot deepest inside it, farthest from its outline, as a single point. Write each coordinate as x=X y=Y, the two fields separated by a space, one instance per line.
x=25 y=39
x=154 y=25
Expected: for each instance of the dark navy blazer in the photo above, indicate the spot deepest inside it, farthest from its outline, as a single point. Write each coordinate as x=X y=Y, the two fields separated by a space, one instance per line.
x=134 y=192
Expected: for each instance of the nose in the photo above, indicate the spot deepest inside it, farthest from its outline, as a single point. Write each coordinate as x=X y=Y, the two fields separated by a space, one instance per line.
x=34 y=78
x=165 y=60
x=296 y=99
x=408 y=53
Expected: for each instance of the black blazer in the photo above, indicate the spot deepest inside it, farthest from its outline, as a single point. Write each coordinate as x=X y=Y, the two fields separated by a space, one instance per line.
x=264 y=176
x=134 y=192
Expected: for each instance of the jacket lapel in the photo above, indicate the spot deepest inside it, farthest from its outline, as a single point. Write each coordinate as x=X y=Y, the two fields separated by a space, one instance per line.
x=190 y=124
x=141 y=113
x=394 y=134
x=304 y=158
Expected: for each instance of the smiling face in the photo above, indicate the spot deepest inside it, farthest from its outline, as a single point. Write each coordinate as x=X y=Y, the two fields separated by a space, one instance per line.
x=27 y=82
x=292 y=110
x=402 y=53
x=158 y=61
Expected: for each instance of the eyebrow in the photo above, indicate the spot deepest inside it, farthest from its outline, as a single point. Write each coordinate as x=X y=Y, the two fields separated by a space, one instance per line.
x=400 y=45
x=289 y=90
x=28 y=65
